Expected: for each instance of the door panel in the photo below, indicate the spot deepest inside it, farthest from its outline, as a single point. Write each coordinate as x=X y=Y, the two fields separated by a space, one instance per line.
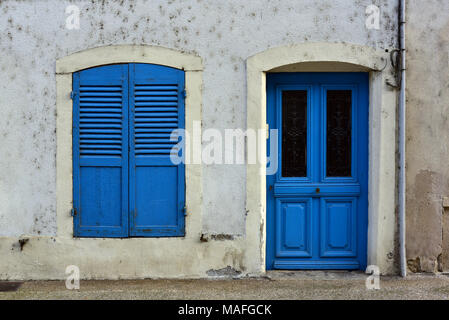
x=317 y=201
x=338 y=227
x=293 y=215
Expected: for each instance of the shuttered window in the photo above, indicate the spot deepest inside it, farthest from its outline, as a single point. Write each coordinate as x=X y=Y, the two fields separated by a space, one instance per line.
x=124 y=182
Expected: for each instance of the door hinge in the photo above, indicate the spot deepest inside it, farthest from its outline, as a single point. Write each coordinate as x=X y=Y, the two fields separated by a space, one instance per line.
x=73 y=212
x=72 y=95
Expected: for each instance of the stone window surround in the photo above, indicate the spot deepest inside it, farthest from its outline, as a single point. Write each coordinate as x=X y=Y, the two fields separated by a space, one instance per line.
x=333 y=57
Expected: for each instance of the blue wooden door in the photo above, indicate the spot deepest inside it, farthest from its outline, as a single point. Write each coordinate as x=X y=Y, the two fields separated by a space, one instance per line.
x=124 y=182
x=317 y=200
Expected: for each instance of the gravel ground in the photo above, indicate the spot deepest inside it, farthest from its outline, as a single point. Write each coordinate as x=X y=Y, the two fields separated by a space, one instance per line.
x=277 y=285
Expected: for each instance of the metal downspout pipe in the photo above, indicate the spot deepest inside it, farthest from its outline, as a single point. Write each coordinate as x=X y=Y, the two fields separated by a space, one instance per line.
x=402 y=140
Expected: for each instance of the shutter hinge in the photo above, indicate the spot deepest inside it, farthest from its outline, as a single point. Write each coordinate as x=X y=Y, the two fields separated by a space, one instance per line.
x=72 y=95
x=73 y=212
x=184 y=93
x=184 y=209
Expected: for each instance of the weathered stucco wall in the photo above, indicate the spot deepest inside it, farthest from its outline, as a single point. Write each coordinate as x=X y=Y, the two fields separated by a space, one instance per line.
x=223 y=34
x=427 y=32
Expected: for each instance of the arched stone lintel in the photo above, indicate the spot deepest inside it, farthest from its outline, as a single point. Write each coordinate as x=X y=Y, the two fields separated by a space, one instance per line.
x=128 y=54
x=351 y=54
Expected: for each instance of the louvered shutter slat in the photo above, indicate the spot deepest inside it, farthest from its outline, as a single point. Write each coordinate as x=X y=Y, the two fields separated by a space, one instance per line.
x=96 y=118
x=148 y=118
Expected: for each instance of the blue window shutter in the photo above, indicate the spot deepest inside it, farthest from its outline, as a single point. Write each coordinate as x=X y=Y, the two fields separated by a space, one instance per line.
x=100 y=152
x=157 y=186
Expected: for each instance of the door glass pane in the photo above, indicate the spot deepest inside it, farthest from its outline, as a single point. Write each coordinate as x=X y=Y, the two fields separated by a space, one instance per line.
x=294 y=133
x=338 y=152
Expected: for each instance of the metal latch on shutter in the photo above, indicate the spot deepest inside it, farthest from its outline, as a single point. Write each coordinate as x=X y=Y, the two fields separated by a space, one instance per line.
x=73 y=212
x=72 y=95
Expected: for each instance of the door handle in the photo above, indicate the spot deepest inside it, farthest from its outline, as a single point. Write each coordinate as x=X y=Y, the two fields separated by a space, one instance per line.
x=317 y=190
